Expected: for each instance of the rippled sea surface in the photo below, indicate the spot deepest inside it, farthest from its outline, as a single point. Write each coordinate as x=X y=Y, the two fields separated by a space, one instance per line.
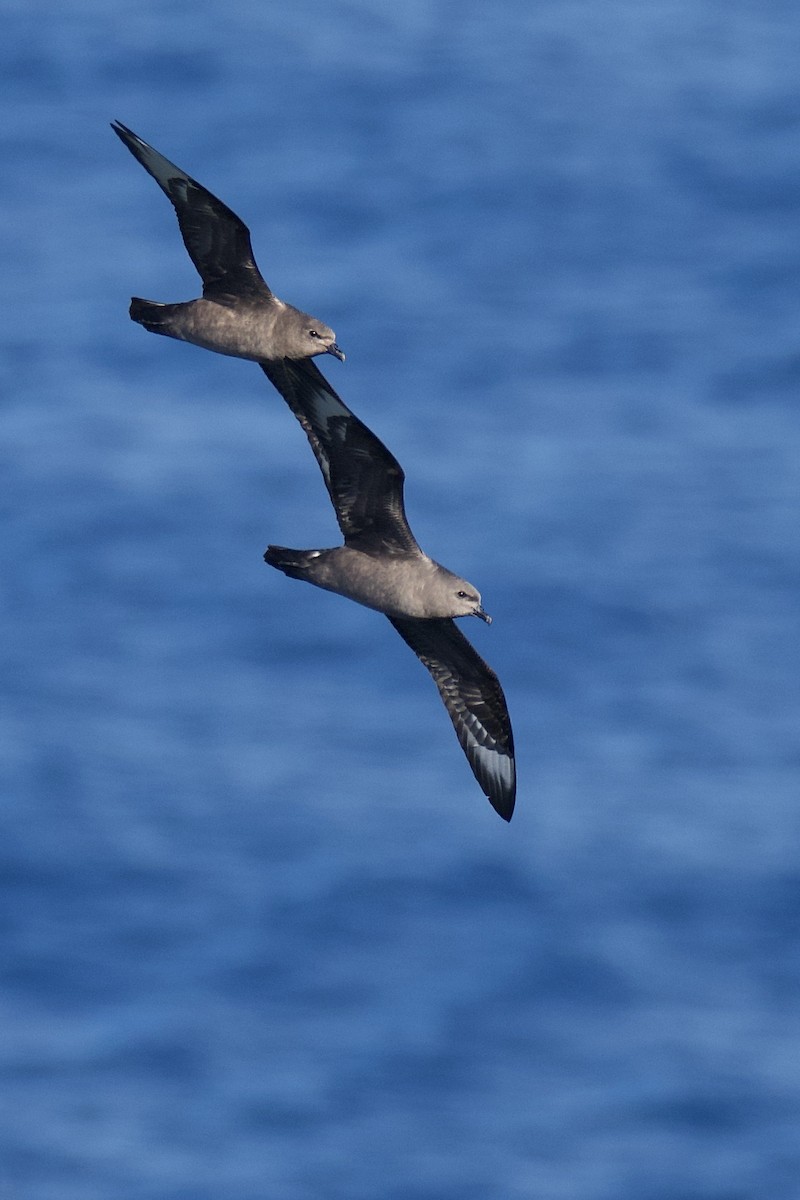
x=262 y=935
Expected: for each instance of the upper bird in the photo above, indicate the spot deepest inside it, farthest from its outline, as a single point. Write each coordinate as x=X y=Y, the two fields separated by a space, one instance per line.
x=381 y=565
x=238 y=314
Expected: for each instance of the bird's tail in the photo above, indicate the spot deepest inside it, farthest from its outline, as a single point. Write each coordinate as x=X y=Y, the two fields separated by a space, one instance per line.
x=151 y=315
x=294 y=563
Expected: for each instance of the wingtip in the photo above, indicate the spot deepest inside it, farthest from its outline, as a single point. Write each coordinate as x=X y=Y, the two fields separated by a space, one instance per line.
x=125 y=135
x=502 y=793
x=503 y=806
x=500 y=786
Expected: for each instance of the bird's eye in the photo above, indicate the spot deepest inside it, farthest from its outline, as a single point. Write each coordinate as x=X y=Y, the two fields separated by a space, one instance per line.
x=463 y=595
x=313 y=333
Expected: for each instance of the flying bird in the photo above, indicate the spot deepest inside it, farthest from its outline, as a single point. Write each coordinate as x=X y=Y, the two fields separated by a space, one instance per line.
x=381 y=566
x=238 y=314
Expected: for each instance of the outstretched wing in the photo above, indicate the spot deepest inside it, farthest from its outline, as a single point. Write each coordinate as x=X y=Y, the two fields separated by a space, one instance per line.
x=218 y=242
x=364 y=480
x=474 y=699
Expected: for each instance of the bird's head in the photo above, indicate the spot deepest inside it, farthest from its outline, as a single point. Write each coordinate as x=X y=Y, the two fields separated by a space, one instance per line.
x=448 y=595
x=469 y=604
x=305 y=336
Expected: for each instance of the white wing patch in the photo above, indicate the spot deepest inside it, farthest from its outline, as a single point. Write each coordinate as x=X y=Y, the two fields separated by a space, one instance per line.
x=328 y=415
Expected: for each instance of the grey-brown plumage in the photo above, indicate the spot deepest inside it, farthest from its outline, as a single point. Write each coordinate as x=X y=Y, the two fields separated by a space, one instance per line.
x=238 y=314
x=381 y=565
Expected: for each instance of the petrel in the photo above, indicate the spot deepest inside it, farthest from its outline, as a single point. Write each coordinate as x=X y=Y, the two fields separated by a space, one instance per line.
x=238 y=314
x=381 y=566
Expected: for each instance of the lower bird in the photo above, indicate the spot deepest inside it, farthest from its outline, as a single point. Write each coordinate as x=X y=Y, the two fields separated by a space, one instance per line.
x=381 y=566
x=238 y=314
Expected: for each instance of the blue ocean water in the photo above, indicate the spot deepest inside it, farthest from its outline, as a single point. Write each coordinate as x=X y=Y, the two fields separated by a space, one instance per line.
x=263 y=936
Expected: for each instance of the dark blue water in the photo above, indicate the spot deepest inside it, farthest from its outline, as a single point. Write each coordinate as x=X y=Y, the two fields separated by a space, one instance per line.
x=262 y=935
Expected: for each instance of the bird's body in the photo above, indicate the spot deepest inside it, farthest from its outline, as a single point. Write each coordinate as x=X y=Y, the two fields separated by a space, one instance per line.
x=238 y=314
x=407 y=585
x=381 y=566
x=245 y=329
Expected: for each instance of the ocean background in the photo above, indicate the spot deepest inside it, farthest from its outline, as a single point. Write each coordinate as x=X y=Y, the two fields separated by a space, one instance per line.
x=262 y=935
